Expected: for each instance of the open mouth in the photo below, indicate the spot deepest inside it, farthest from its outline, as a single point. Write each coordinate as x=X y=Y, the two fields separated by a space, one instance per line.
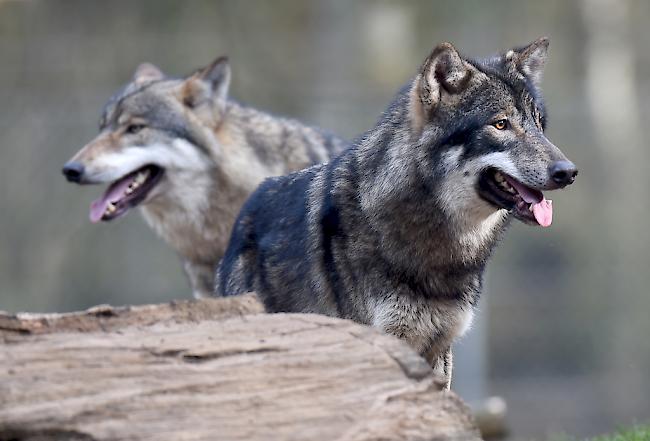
x=125 y=193
x=526 y=203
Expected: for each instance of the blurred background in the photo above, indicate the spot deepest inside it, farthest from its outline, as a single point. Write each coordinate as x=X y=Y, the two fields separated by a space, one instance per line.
x=564 y=324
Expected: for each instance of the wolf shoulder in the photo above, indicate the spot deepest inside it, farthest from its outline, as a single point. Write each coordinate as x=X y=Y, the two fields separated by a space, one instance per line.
x=269 y=232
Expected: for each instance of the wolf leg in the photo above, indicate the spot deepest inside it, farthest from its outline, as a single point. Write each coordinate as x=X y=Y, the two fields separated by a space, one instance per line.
x=442 y=365
x=201 y=278
x=448 y=364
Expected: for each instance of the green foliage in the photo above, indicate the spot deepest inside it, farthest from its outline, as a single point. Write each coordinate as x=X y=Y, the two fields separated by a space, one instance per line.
x=634 y=433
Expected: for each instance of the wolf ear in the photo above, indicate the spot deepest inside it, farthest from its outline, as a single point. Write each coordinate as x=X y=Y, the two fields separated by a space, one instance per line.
x=147 y=72
x=443 y=72
x=210 y=83
x=530 y=60
x=217 y=74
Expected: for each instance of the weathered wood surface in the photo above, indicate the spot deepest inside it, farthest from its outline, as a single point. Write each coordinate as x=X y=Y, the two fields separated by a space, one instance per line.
x=108 y=318
x=215 y=370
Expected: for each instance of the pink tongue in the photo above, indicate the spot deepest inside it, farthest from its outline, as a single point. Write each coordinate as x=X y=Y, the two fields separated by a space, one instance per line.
x=113 y=194
x=542 y=208
x=543 y=212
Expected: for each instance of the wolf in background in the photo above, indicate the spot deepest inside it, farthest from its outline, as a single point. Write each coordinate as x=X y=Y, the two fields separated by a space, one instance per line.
x=189 y=157
x=396 y=231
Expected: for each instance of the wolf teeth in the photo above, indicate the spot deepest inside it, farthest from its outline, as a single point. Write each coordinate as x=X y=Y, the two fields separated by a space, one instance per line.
x=131 y=188
x=503 y=183
x=140 y=178
x=110 y=208
x=138 y=181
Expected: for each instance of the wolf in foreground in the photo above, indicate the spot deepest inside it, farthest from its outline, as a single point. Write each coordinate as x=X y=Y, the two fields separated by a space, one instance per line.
x=189 y=157
x=396 y=231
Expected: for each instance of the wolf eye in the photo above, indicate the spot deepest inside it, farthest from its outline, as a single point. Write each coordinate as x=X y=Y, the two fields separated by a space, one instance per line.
x=502 y=124
x=134 y=128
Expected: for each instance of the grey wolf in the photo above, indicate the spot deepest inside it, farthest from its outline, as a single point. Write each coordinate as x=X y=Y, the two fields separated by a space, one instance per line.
x=396 y=231
x=189 y=156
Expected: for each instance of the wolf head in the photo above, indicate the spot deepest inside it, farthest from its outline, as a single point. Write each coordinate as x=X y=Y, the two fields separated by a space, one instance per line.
x=484 y=121
x=156 y=129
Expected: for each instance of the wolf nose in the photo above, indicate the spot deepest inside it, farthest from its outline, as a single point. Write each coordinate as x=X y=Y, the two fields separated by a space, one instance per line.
x=563 y=173
x=73 y=171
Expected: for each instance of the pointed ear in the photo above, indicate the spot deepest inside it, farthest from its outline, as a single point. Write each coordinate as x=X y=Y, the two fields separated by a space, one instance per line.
x=210 y=83
x=443 y=73
x=217 y=74
x=147 y=72
x=530 y=60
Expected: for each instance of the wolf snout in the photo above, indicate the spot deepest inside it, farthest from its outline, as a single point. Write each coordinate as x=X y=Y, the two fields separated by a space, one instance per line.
x=563 y=173
x=73 y=171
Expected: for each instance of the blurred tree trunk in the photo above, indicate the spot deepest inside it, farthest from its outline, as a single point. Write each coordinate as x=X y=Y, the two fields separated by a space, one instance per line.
x=613 y=96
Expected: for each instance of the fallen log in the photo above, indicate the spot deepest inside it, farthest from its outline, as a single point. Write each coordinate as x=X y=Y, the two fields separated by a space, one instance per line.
x=215 y=369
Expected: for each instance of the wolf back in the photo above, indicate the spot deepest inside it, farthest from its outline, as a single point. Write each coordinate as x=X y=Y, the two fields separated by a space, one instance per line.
x=396 y=231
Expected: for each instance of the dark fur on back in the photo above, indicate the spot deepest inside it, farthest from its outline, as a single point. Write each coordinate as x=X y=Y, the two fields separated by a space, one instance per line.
x=377 y=235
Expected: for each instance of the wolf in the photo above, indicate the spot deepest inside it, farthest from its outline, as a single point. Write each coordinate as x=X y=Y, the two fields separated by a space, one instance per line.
x=189 y=156
x=396 y=231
